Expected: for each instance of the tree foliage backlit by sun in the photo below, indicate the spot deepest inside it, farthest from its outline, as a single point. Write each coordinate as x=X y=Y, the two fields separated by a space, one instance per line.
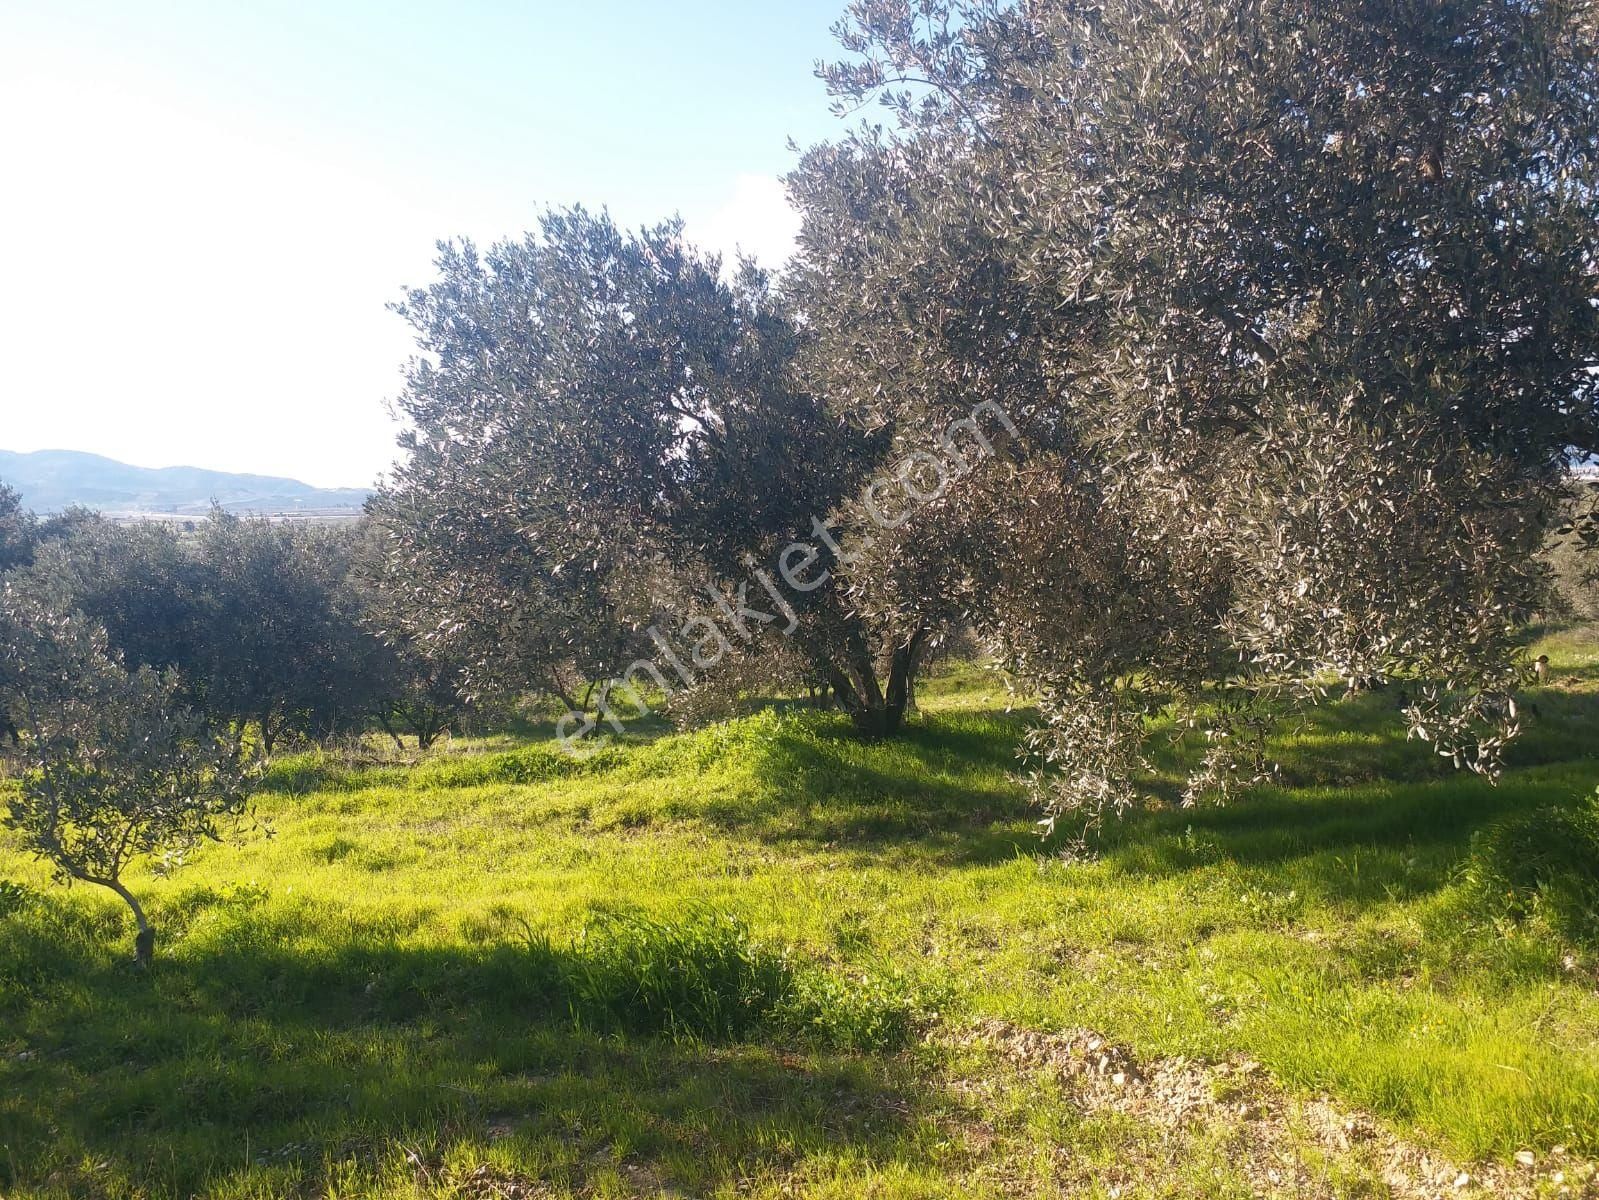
x=1296 y=306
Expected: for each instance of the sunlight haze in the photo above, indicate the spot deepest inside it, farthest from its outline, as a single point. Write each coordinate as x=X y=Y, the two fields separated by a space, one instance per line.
x=217 y=203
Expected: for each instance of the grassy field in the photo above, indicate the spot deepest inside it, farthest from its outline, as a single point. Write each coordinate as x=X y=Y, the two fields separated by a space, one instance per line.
x=767 y=960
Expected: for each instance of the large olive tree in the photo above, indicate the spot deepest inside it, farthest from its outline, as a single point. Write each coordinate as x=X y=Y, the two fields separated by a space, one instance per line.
x=610 y=449
x=1296 y=306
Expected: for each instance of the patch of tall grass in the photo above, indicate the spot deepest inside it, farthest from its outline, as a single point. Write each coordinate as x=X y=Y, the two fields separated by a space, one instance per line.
x=1542 y=864
x=697 y=975
x=703 y=974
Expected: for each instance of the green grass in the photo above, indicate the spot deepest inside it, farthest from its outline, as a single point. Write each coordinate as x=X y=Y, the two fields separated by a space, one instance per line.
x=701 y=965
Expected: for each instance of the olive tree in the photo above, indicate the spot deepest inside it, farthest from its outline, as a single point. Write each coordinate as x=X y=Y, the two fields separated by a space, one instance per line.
x=275 y=642
x=414 y=682
x=1296 y=308
x=259 y=623
x=17 y=531
x=140 y=581
x=611 y=450
x=16 y=549
x=114 y=769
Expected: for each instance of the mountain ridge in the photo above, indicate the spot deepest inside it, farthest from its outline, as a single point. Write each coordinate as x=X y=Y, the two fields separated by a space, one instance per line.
x=53 y=480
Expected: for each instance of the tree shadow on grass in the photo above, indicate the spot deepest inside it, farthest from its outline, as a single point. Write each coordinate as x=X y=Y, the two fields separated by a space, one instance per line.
x=1360 y=813
x=259 y=1066
x=946 y=791
x=1357 y=844
x=1362 y=739
x=942 y=790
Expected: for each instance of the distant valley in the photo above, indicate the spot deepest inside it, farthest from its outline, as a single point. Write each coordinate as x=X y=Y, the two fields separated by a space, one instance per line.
x=53 y=480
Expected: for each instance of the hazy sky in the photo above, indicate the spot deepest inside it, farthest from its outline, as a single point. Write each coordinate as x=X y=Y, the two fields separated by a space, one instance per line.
x=205 y=205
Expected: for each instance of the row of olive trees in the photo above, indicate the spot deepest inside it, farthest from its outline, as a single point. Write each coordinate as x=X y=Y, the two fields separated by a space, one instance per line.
x=1293 y=309
x=269 y=629
x=146 y=671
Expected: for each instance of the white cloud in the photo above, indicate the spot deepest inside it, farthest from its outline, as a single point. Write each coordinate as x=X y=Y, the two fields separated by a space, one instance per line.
x=755 y=218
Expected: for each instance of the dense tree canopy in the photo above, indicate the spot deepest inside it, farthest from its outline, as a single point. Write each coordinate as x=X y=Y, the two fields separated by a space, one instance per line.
x=267 y=629
x=610 y=438
x=1286 y=313
x=1295 y=305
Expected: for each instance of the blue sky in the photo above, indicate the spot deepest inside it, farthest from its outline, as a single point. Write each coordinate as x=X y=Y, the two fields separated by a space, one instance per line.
x=205 y=206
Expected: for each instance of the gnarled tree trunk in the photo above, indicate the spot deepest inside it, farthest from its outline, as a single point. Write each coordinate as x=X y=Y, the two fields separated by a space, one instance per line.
x=144 y=939
x=876 y=709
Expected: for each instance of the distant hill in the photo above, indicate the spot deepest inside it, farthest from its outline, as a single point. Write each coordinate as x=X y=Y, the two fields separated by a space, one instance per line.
x=53 y=480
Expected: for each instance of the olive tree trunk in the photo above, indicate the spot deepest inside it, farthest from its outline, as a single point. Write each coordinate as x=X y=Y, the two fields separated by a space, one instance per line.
x=877 y=708
x=144 y=939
